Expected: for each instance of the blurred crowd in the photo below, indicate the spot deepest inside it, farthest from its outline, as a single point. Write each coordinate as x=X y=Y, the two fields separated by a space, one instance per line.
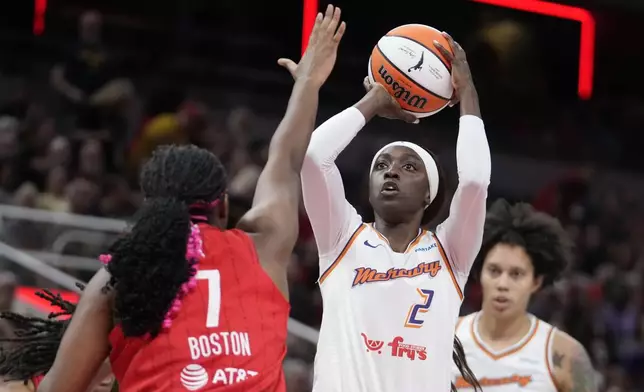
x=80 y=151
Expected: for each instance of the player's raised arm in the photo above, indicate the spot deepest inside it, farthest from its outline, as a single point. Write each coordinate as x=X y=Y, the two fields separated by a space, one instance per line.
x=274 y=215
x=462 y=231
x=332 y=218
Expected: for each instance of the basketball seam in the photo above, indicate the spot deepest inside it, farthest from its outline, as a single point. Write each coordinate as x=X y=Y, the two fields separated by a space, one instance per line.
x=408 y=76
x=449 y=67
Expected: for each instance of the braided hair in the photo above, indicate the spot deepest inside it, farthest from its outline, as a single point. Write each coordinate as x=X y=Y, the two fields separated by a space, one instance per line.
x=155 y=263
x=32 y=351
x=458 y=356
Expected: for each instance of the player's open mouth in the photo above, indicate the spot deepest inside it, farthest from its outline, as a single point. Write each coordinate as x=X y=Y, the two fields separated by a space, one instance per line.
x=389 y=188
x=501 y=301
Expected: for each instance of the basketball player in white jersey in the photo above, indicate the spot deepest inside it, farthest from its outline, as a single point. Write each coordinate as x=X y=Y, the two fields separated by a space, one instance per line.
x=507 y=348
x=392 y=290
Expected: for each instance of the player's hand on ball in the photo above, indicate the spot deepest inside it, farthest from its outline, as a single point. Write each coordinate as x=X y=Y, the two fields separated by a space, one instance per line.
x=461 y=75
x=318 y=60
x=386 y=105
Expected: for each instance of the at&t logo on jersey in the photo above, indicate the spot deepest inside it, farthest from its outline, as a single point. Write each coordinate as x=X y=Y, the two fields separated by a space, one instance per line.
x=399 y=349
x=194 y=377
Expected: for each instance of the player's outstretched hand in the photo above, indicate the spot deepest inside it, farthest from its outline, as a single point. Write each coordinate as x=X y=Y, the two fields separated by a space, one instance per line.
x=318 y=60
x=385 y=105
x=461 y=75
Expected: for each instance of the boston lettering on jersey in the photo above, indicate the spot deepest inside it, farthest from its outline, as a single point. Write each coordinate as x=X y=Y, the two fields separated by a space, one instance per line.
x=517 y=379
x=222 y=343
x=370 y=275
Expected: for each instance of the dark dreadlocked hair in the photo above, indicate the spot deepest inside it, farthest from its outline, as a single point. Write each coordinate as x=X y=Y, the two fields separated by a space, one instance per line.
x=148 y=265
x=32 y=352
x=541 y=235
x=458 y=356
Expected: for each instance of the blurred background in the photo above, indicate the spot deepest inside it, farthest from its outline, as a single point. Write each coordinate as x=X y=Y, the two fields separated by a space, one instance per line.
x=89 y=88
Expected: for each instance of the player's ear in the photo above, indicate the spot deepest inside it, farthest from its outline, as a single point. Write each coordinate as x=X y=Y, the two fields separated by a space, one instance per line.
x=537 y=283
x=427 y=198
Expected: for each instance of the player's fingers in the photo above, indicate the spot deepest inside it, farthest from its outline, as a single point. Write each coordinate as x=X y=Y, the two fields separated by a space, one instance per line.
x=316 y=27
x=446 y=53
x=328 y=16
x=340 y=33
x=450 y=40
x=454 y=101
x=335 y=20
x=288 y=64
x=408 y=117
x=367 y=84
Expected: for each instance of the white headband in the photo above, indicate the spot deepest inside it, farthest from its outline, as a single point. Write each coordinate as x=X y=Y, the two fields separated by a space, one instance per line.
x=430 y=165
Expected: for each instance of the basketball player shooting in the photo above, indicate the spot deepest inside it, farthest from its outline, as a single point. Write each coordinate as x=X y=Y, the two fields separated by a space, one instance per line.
x=183 y=303
x=507 y=348
x=392 y=290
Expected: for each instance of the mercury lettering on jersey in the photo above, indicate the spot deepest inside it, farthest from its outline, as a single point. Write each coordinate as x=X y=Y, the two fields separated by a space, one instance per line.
x=219 y=343
x=370 y=275
x=520 y=380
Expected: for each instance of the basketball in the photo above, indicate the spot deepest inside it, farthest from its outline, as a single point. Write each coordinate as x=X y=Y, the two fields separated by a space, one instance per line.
x=408 y=64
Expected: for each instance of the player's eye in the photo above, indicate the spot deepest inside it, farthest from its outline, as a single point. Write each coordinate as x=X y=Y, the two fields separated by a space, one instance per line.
x=381 y=165
x=409 y=166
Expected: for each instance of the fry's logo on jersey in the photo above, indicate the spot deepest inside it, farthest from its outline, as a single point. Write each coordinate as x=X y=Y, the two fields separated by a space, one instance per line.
x=398 y=348
x=520 y=380
x=370 y=275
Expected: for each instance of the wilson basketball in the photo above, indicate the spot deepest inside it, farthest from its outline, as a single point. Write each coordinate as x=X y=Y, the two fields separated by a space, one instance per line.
x=408 y=64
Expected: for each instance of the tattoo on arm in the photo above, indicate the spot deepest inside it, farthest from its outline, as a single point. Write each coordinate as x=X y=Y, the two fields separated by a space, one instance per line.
x=557 y=359
x=582 y=372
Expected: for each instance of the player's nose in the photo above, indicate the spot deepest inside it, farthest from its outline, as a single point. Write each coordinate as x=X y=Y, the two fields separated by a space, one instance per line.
x=392 y=172
x=502 y=282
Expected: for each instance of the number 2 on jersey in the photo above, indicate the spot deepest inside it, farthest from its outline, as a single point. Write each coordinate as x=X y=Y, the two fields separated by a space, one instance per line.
x=214 y=296
x=412 y=316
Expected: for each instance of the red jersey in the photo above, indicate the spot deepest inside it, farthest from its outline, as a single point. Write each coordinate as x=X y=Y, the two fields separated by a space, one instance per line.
x=228 y=336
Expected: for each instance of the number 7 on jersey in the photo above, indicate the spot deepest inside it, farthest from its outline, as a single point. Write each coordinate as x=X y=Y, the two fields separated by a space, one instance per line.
x=214 y=296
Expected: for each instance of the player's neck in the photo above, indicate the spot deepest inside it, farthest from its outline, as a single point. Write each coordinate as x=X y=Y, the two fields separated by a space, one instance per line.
x=503 y=330
x=399 y=235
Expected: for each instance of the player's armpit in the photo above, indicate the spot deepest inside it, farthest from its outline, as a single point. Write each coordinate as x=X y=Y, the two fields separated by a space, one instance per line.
x=572 y=367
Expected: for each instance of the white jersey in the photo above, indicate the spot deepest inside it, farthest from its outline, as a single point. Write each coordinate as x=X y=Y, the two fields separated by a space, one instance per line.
x=523 y=366
x=389 y=318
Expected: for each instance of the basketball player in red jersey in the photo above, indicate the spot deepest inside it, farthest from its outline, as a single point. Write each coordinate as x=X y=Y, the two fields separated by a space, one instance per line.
x=25 y=359
x=184 y=305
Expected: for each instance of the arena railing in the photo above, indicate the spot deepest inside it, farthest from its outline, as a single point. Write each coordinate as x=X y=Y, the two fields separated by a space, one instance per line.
x=68 y=282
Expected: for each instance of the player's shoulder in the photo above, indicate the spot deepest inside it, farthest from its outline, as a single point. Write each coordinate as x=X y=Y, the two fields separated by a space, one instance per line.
x=571 y=364
x=463 y=321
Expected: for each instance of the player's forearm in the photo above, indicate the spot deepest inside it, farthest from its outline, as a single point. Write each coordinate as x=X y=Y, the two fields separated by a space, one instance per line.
x=473 y=158
x=333 y=136
x=292 y=137
x=469 y=101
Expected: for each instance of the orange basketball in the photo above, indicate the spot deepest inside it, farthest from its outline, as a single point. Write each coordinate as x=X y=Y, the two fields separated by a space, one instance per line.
x=408 y=64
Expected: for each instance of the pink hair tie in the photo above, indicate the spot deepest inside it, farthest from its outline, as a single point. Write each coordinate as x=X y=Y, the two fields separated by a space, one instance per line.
x=105 y=258
x=194 y=252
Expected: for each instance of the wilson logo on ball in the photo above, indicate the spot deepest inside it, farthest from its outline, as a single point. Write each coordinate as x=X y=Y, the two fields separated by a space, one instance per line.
x=400 y=92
